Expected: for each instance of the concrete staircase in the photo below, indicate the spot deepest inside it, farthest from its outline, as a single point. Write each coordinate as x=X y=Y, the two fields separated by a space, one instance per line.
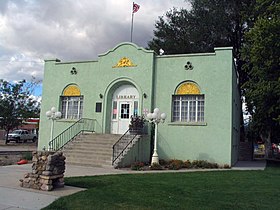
x=94 y=150
x=125 y=144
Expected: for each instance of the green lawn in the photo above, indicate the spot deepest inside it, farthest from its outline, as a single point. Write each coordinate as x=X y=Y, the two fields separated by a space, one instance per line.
x=198 y=190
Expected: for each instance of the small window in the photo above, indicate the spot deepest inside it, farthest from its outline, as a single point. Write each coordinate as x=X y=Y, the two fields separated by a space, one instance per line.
x=135 y=111
x=125 y=110
x=115 y=110
x=98 y=107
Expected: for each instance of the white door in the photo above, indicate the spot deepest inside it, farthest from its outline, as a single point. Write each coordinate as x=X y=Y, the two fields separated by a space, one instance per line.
x=125 y=111
x=125 y=103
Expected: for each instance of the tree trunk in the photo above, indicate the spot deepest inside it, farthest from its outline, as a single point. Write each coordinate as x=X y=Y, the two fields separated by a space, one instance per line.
x=6 y=139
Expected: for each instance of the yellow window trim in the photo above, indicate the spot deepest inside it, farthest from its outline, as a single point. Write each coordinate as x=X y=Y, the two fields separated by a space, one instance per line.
x=187 y=88
x=71 y=90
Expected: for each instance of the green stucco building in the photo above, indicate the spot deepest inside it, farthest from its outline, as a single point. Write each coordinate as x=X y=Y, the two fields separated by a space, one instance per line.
x=198 y=92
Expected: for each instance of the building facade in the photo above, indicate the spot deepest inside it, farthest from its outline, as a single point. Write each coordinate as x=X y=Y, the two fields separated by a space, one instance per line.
x=198 y=92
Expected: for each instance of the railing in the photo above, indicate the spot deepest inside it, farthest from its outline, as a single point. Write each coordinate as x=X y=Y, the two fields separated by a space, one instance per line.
x=125 y=140
x=66 y=136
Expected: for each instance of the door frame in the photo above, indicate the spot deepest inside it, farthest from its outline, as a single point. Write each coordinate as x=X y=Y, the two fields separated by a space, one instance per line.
x=124 y=94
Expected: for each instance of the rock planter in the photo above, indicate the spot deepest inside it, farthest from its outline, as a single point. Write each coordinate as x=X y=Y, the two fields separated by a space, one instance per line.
x=47 y=171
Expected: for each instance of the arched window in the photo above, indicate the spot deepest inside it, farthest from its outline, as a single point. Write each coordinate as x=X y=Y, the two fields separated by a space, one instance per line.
x=71 y=103
x=188 y=103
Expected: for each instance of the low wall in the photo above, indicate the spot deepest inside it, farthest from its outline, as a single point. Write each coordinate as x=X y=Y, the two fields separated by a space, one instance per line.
x=47 y=171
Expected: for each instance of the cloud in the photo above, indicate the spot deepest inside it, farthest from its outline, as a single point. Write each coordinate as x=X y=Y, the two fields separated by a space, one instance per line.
x=33 y=30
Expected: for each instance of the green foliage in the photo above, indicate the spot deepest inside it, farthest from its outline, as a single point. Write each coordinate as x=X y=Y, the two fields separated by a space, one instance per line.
x=156 y=166
x=252 y=27
x=226 y=166
x=203 y=164
x=16 y=103
x=206 y=25
x=172 y=33
x=27 y=155
x=137 y=123
x=179 y=164
x=163 y=162
x=175 y=164
x=262 y=56
x=137 y=166
x=198 y=190
x=187 y=164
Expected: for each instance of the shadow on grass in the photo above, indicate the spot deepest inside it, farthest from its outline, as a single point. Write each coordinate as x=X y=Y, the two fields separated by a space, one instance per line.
x=273 y=163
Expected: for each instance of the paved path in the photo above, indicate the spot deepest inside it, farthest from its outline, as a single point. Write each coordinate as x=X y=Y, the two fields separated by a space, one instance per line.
x=250 y=165
x=12 y=196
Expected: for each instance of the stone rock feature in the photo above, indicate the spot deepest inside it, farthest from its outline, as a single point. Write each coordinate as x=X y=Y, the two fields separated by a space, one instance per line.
x=47 y=171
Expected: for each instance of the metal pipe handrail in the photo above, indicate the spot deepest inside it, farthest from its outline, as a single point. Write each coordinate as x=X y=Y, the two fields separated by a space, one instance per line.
x=84 y=124
x=115 y=157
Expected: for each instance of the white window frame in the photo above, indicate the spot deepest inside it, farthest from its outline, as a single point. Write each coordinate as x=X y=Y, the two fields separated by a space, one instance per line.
x=70 y=112
x=178 y=111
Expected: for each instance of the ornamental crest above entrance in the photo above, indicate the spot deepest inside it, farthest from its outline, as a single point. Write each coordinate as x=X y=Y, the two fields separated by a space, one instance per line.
x=124 y=62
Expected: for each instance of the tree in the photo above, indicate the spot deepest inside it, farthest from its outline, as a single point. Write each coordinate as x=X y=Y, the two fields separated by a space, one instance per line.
x=16 y=104
x=173 y=33
x=209 y=24
x=261 y=52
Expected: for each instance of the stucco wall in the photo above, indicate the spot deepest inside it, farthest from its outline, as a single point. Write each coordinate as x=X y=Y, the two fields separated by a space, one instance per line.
x=210 y=140
x=157 y=77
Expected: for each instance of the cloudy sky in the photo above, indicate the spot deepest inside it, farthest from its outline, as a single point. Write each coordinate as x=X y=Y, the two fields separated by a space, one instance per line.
x=71 y=30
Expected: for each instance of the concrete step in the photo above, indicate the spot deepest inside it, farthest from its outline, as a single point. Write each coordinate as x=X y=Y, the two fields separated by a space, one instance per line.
x=92 y=144
x=84 y=161
x=91 y=150
x=91 y=164
x=94 y=158
x=88 y=152
x=99 y=136
x=96 y=141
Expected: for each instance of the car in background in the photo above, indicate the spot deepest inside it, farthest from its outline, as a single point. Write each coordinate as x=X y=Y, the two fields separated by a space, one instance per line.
x=21 y=136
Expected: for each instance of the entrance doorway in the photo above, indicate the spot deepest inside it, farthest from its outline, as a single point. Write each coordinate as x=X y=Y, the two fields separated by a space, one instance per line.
x=125 y=103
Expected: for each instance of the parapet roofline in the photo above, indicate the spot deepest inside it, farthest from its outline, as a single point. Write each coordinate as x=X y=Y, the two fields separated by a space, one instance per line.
x=196 y=54
x=123 y=44
x=58 y=61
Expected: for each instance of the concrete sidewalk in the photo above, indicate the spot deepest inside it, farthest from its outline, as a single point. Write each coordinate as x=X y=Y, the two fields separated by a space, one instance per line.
x=12 y=196
x=250 y=165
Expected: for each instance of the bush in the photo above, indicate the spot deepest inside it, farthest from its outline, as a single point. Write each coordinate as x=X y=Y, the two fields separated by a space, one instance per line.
x=163 y=162
x=27 y=156
x=195 y=164
x=137 y=123
x=156 y=166
x=214 y=165
x=137 y=166
x=203 y=164
x=187 y=164
x=226 y=166
x=175 y=164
